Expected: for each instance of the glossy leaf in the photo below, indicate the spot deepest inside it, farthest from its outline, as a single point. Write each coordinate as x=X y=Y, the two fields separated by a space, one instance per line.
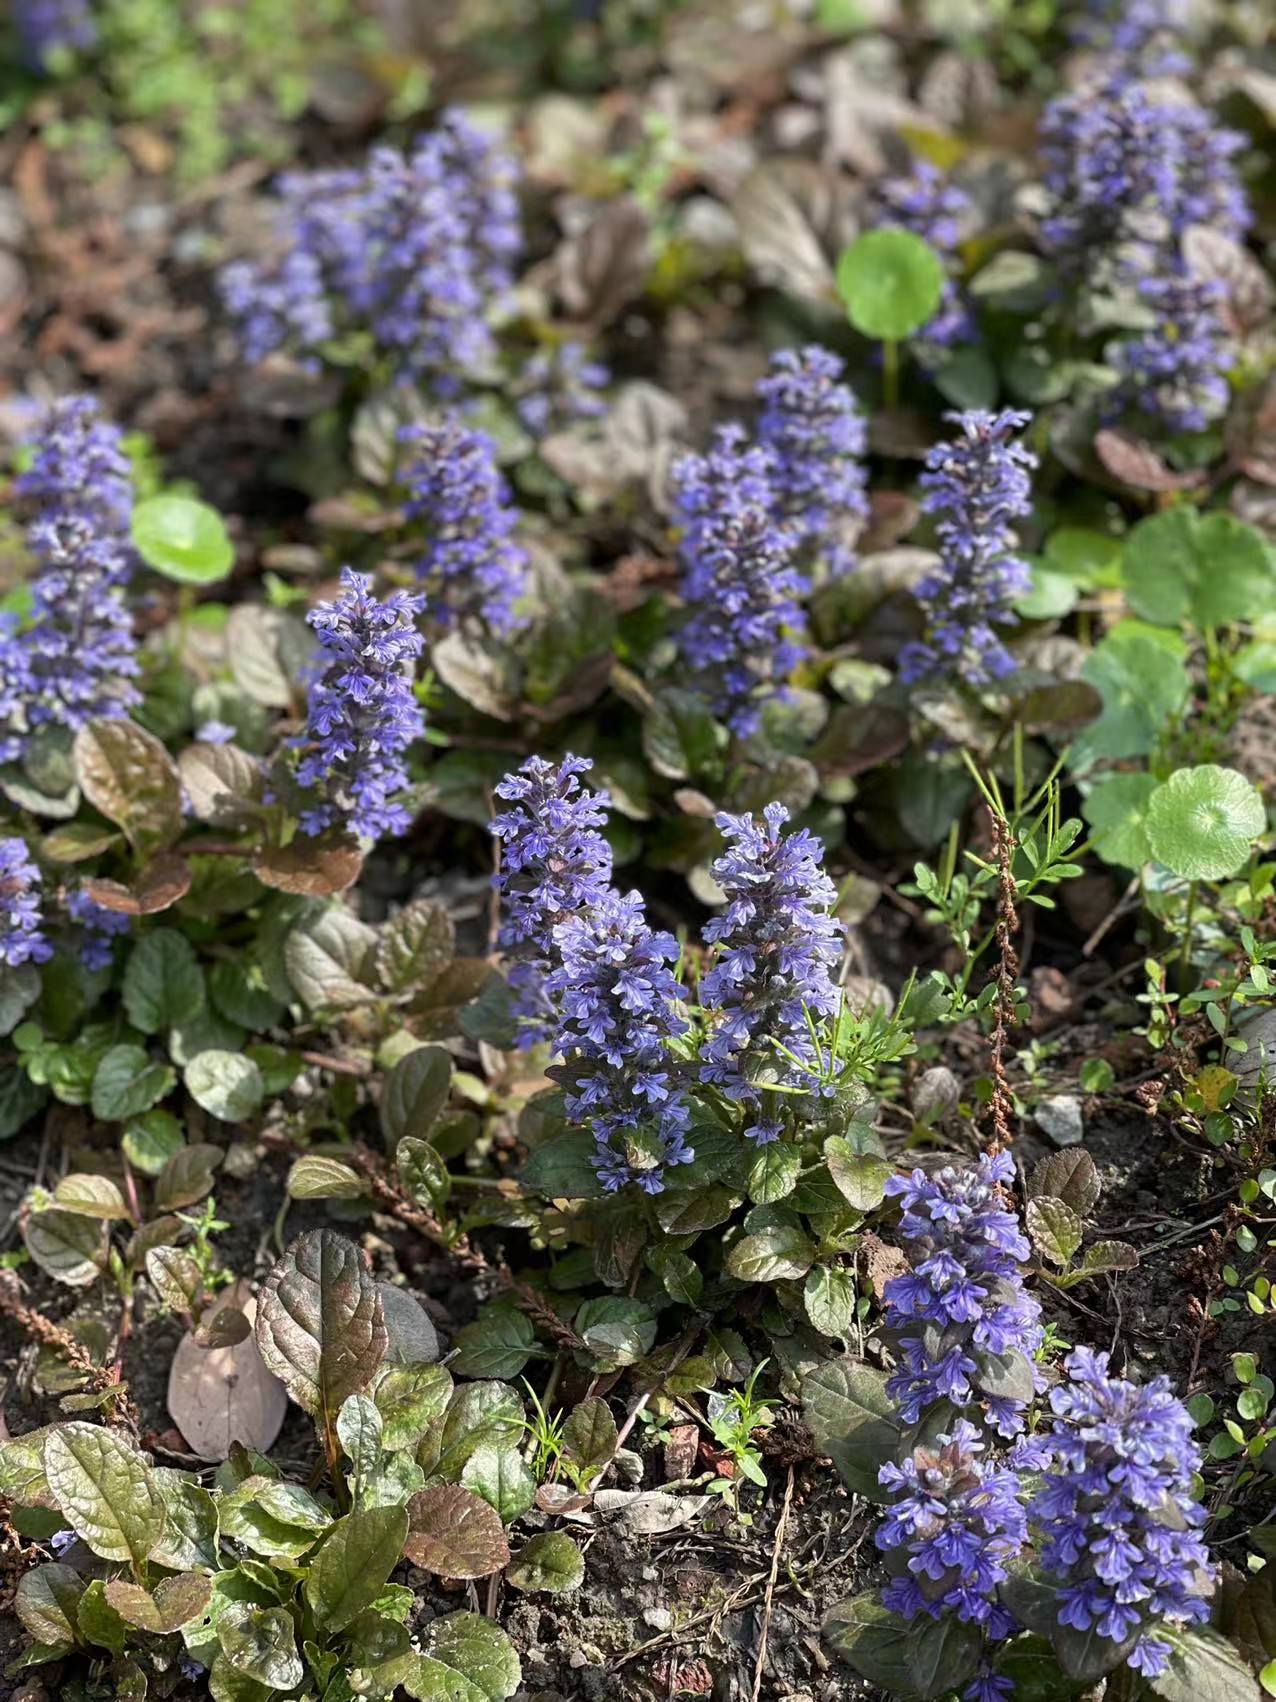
x=320 y=1323
x=105 y=1490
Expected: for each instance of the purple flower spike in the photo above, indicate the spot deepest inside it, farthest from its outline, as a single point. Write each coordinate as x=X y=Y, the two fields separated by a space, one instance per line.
x=473 y=569
x=926 y=204
x=76 y=658
x=962 y=1302
x=361 y=714
x=49 y=27
x=959 y=1520
x=978 y=485
x=739 y=581
x=1115 y=1519
x=777 y=958
x=21 y=937
x=555 y=864
x=1139 y=36
x=415 y=249
x=619 y=1005
x=811 y=423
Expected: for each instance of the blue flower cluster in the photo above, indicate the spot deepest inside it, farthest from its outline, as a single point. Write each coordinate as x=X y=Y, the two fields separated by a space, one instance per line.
x=959 y=1520
x=961 y=1309
x=76 y=657
x=931 y=207
x=361 y=714
x=473 y=570
x=1129 y=170
x=740 y=579
x=414 y=248
x=978 y=485
x=558 y=387
x=776 y=965
x=49 y=27
x=1137 y=35
x=619 y=1008
x=21 y=938
x=1116 y=1523
x=811 y=423
x=101 y=927
x=555 y=864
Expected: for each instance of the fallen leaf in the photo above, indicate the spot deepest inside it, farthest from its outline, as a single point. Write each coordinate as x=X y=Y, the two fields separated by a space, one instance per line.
x=220 y=1395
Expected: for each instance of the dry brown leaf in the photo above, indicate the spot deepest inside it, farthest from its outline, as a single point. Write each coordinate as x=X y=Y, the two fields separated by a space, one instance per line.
x=221 y=1395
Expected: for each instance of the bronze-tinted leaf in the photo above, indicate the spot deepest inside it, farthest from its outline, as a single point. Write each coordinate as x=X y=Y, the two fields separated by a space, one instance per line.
x=315 y=868
x=173 y=1603
x=223 y=783
x=1135 y=463
x=128 y=776
x=320 y=1324
x=187 y=1176
x=163 y=881
x=455 y=1533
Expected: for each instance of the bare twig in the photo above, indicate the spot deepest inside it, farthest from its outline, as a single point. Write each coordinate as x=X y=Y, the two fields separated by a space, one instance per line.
x=776 y=1552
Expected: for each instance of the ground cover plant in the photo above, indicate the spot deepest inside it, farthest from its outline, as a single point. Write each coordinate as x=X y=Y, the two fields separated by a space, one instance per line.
x=637 y=908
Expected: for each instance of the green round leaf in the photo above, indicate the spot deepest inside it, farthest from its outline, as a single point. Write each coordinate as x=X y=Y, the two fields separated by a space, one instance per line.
x=1115 y=808
x=550 y=1561
x=1202 y=821
x=183 y=539
x=1209 y=570
x=891 y=282
x=225 y=1084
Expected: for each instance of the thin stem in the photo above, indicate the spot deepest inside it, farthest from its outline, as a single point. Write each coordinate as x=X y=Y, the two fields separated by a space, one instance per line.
x=890 y=373
x=1185 y=956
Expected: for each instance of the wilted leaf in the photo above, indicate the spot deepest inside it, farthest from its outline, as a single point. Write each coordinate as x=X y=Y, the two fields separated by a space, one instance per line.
x=105 y=1490
x=223 y=1395
x=320 y=1323
x=358 y=1555
x=550 y=1562
x=455 y=1533
x=175 y=1277
x=157 y=887
x=128 y=776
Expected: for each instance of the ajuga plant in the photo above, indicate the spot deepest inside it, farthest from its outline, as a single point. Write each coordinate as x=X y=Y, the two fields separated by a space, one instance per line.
x=21 y=938
x=1066 y=1554
x=74 y=658
x=49 y=29
x=752 y=1063
x=1129 y=169
x=555 y=863
x=472 y=570
x=256 y=1584
x=810 y=421
x=977 y=485
x=410 y=251
x=361 y=716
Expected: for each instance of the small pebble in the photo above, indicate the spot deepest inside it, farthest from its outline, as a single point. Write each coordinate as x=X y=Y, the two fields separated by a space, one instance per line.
x=659 y=1618
x=1060 y=1118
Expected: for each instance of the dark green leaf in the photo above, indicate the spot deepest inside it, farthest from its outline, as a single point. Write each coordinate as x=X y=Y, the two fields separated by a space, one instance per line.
x=550 y=1562
x=415 y=1091
x=358 y=1555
